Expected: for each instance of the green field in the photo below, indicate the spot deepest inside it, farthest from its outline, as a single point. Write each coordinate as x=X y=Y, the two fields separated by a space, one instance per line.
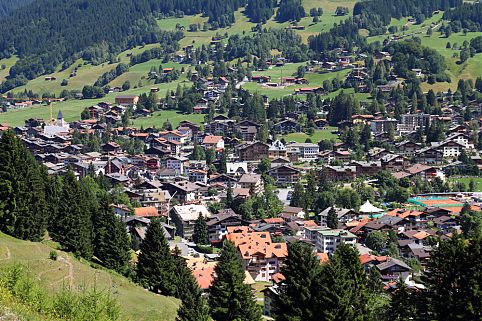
x=323 y=134
x=7 y=62
x=466 y=181
x=174 y=117
x=135 y=302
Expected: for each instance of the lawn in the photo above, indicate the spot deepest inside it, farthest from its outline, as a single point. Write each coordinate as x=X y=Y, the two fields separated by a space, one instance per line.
x=322 y=134
x=174 y=117
x=466 y=181
x=135 y=302
x=7 y=62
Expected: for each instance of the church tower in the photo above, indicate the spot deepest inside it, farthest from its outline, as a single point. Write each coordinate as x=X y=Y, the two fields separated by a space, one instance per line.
x=60 y=119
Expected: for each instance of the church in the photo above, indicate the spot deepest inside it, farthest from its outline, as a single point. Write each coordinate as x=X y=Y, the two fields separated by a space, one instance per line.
x=59 y=126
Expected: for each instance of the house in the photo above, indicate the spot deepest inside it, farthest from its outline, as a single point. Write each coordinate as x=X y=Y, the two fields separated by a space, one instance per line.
x=287 y=126
x=218 y=224
x=430 y=156
x=216 y=142
x=127 y=100
x=255 y=151
x=176 y=163
x=261 y=79
x=197 y=175
x=146 y=212
x=340 y=173
x=408 y=148
x=344 y=215
x=328 y=240
x=184 y=218
x=277 y=150
x=308 y=90
x=261 y=257
x=305 y=151
x=285 y=174
x=392 y=269
x=183 y=191
x=253 y=182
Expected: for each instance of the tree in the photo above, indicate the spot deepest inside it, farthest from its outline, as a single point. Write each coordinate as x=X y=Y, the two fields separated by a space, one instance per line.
x=111 y=242
x=73 y=227
x=296 y=295
x=23 y=211
x=471 y=224
x=332 y=218
x=402 y=307
x=155 y=266
x=193 y=304
x=298 y=196
x=376 y=240
x=126 y=85
x=230 y=298
x=200 y=235
x=342 y=287
x=452 y=277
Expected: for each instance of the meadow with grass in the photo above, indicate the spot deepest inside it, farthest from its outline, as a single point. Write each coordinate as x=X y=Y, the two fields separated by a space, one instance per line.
x=52 y=275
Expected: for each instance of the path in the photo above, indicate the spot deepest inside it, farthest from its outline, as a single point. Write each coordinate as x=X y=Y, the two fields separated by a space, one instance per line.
x=8 y=256
x=70 y=274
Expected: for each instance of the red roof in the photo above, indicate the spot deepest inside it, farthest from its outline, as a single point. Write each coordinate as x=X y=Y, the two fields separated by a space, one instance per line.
x=146 y=211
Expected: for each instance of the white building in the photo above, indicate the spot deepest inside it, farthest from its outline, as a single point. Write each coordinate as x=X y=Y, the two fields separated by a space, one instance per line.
x=305 y=151
x=184 y=218
x=327 y=241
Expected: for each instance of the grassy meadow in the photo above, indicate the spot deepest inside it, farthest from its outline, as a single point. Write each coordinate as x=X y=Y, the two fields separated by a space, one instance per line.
x=135 y=302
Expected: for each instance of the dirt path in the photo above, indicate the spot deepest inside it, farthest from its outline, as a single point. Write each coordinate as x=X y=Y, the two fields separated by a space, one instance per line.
x=8 y=256
x=70 y=274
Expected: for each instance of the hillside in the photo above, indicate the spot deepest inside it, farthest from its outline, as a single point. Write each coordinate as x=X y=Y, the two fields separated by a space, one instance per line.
x=135 y=302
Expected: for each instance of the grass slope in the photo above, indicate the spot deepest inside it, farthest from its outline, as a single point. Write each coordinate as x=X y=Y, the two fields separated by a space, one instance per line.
x=135 y=302
x=322 y=134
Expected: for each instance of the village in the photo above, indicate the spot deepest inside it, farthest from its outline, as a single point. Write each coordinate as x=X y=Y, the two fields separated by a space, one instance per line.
x=165 y=180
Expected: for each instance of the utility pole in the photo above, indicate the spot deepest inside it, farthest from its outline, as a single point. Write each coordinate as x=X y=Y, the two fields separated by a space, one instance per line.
x=169 y=206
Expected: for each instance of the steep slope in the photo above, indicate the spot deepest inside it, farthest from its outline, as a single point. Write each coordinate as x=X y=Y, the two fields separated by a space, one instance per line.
x=136 y=303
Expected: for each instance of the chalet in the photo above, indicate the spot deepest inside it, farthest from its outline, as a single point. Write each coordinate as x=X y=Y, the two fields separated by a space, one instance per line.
x=408 y=148
x=253 y=182
x=344 y=215
x=261 y=79
x=308 y=90
x=254 y=151
x=218 y=224
x=429 y=156
x=285 y=174
x=287 y=126
x=394 y=162
x=340 y=173
x=127 y=100
x=276 y=150
x=216 y=142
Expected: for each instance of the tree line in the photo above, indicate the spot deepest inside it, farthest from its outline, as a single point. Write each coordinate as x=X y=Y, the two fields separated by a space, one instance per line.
x=76 y=213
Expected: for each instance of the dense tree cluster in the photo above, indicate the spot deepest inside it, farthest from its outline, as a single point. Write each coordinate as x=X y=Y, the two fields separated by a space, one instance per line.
x=77 y=214
x=467 y=16
x=345 y=35
x=374 y=15
x=290 y=10
x=111 y=75
x=261 y=43
x=260 y=10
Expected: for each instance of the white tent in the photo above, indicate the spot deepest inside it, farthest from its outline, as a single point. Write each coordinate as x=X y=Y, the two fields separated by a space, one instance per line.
x=368 y=208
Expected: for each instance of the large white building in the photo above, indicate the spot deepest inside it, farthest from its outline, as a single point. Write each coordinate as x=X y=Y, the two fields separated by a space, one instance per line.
x=327 y=241
x=305 y=151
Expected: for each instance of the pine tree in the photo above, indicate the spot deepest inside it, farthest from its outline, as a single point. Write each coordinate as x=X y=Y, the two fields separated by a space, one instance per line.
x=194 y=305
x=155 y=266
x=296 y=296
x=200 y=235
x=73 y=228
x=229 y=196
x=298 y=196
x=22 y=199
x=111 y=242
x=453 y=280
x=402 y=306
x=332 y=218
x=230 y=298
x=341 y=287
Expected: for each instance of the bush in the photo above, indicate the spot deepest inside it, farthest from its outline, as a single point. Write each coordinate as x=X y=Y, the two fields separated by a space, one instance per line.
x=53 y=255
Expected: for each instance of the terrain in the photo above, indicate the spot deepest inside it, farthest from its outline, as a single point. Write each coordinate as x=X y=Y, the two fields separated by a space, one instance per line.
x=67 y=271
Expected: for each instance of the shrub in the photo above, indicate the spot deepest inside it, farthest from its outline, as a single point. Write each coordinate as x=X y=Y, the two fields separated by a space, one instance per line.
x=53 y=255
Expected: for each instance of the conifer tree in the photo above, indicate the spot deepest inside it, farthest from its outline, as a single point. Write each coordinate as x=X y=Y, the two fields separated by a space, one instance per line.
x=341 y=287
x=155 y=266
x=194 y=305
x=402 y=307
x=296 y=295
x=230 y=298
x=200 y=235
x=111 y=243
x=73 y=227
x=332 y=218
x=22 y=198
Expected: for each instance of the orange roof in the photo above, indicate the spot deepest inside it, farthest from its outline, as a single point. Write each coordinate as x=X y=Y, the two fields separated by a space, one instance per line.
x=139 y=134
x=146 y=211
x=309 y=223
x=367 y=257
x=257 y=243
x=204 y=277
x=278 y=277
x=421 y=235
x=323 y=257
x=212 y=139
x=274 y=220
